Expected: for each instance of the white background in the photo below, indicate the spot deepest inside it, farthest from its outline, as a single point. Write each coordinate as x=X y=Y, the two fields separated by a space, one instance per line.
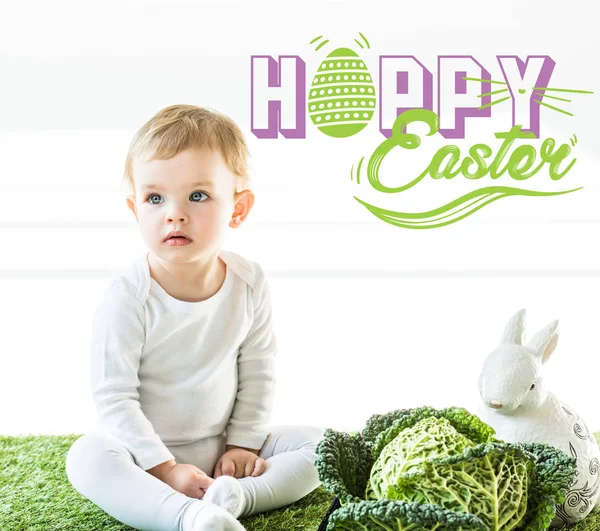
x=369 y=317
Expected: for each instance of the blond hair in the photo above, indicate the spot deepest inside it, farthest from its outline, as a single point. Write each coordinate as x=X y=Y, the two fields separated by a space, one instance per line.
x=179 y=127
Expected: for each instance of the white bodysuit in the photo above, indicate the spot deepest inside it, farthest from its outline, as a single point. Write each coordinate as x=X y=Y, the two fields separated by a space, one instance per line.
x=170 y=372
x=180 y=380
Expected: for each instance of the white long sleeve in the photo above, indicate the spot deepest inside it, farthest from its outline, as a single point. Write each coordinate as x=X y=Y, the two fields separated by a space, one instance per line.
x=248 y=425
x=116 y=349
x=166 y=372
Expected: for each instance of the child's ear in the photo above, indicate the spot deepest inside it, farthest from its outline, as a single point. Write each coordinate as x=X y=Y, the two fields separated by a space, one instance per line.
x=244 y=201
x=131 y=204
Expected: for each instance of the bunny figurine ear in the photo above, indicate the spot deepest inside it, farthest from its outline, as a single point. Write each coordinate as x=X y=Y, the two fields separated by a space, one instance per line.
x=544 y=342
x=513 y=333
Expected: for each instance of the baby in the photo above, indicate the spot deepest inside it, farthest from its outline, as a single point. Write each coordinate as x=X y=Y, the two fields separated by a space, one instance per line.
x=182 y=349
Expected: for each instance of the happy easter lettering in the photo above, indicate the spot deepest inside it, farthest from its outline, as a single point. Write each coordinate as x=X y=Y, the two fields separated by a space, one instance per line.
x=342 y=98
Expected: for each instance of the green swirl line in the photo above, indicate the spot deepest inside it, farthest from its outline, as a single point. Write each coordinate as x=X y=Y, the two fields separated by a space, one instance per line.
x=427 y=224
x=427 y=220
x=471 y=202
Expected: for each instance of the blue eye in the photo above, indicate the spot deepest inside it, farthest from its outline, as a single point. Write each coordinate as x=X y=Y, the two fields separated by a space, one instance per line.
x=158 y=195
x=198 y=192
x=151 y=195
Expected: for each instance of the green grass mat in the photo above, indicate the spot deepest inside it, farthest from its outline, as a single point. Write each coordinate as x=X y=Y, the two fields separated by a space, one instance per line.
x=35 y=494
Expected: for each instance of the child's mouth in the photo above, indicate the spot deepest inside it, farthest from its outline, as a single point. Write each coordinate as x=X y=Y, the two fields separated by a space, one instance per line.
x=177 y=241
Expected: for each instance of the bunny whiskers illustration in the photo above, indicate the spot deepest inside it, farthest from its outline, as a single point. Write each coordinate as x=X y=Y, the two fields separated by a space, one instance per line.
x=518 y=405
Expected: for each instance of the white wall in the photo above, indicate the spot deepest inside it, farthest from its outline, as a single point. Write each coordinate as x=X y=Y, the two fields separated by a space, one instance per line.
x=369 y=317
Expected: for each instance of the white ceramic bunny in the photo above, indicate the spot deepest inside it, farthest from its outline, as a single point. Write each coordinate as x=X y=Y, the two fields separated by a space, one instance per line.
x=517 y=404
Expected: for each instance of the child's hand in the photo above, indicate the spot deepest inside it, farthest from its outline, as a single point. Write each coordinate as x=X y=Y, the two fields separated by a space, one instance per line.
x=239 y=463
x=189 y=480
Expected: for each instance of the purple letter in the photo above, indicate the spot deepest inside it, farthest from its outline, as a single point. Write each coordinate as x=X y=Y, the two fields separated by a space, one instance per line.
x=521 y=78
x=278 y=96
x=459 y=97
x=404 y=83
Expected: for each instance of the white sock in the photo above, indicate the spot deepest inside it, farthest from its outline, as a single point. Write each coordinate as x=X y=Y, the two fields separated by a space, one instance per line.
x=227 y=492
x=211 y=517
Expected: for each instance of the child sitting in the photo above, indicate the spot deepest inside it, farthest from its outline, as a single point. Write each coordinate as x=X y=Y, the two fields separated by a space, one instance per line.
x=182 y=349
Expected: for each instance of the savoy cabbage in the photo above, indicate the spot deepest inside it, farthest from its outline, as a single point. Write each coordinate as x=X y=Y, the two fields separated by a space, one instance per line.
x=424 y=469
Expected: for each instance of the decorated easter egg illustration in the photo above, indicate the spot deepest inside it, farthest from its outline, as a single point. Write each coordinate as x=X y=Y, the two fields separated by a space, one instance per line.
x=341 y=99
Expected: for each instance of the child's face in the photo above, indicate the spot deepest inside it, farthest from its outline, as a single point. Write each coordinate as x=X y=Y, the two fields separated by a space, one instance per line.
x=168 y=198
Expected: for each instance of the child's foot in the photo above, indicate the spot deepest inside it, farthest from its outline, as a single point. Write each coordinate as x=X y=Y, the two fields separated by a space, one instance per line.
x=215 y=518
x=227 y=492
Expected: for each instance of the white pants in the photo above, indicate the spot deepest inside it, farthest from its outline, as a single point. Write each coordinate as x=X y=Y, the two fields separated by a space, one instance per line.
x=105 y=473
